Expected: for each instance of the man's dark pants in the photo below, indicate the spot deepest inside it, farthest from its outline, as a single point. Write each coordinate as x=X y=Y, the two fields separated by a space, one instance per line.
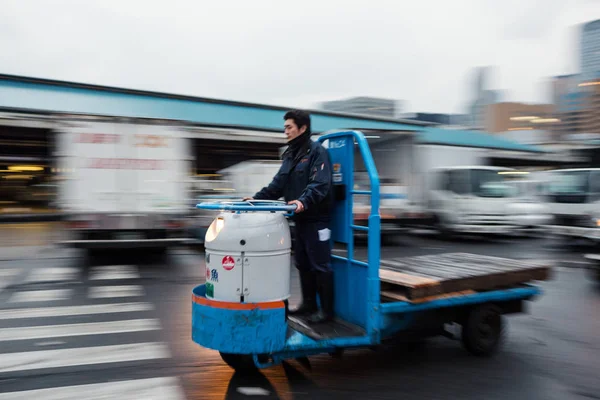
x=312 y=253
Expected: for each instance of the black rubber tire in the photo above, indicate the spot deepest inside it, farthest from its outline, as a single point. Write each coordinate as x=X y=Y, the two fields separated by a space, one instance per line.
x=483 y=330
x=239 y=362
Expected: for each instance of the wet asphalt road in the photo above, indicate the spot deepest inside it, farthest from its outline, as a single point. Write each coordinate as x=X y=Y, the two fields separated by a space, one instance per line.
x=553 y=352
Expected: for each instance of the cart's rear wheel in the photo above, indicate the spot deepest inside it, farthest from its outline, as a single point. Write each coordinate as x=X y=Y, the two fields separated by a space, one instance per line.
x=483 y=330
x=239 y=362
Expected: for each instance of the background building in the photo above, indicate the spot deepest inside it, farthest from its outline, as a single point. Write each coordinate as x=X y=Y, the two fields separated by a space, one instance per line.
x=590 y=51
x=369 y=106
x=482 y=99
x=443 y=119
x=568 y=99
x=501 y=117
x=577 y=97
x=589 y=116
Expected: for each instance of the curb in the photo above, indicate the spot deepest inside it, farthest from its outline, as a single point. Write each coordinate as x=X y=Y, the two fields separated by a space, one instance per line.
x=50 y=217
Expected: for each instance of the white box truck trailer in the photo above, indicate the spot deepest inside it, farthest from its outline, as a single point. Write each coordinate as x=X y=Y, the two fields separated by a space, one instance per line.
x=123 y=185
x=459 y=203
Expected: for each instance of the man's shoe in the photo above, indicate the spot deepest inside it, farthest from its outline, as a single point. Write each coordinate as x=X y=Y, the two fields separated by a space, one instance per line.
x=308 y=285
x=325 y=288
x=304 y=309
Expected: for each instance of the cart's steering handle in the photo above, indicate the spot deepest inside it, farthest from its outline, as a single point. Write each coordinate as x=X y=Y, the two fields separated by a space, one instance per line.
x=249 y=206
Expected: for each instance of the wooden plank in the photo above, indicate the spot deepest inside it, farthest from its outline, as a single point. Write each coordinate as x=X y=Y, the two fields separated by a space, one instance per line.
x=451 y=282
x=411 y=285
x=387 y=275
x=462 y=262
x=500 y=261
x=399 y=297
x=456 y=272
x=411 y=268
x=537 y=269
x=443 y=267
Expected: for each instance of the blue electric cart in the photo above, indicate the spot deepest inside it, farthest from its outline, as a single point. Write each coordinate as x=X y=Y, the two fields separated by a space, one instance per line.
x=375 y=300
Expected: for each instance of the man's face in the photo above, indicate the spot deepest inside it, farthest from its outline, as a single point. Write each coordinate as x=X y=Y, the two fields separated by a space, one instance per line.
x=291 y=129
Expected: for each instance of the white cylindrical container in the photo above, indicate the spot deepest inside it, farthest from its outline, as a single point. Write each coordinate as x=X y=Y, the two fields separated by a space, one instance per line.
x=248 y=257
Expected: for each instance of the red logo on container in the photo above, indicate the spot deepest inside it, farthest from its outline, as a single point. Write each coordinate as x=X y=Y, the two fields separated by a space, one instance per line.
x=228 y=263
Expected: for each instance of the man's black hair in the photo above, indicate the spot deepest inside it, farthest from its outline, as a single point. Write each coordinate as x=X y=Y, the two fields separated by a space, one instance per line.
x=300 y=118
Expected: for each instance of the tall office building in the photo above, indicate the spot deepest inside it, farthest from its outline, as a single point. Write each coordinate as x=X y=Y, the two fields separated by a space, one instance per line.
x=482 y=98
x=569 y=102
x=590 y=51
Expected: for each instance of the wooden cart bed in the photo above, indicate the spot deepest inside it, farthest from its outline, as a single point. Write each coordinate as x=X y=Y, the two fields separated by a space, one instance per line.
x=422 y=278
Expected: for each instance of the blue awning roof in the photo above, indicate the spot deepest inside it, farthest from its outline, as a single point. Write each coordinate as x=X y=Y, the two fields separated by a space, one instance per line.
x=41 y=95
x=450 y=137
x=49 y=96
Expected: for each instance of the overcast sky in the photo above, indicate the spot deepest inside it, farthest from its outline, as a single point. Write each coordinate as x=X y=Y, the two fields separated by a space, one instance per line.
x=302 y=52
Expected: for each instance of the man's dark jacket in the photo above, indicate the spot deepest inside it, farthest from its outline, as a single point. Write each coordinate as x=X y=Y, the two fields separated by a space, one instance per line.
x=305 y=175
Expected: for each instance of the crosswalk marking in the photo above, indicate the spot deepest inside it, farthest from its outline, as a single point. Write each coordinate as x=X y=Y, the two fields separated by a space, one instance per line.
x=8 y=272
x=51 y=343
x=82 y=356
x=41 y=295
x=50 y=347
x=114 y=272
x=67 y=330
x=108 y=292
x=52 y=274
x=150 y=389
x=74 y=310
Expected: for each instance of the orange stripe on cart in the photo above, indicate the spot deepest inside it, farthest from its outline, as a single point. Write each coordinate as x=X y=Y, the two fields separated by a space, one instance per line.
x=237 y=306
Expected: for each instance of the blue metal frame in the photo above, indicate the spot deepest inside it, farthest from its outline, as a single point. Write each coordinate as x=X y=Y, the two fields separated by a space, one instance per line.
x=350 y=273
x=248 y=206
x=355 y=302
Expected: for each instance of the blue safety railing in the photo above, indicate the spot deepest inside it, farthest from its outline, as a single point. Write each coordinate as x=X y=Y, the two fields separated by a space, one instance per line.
x=373 y=229
x=248 y=206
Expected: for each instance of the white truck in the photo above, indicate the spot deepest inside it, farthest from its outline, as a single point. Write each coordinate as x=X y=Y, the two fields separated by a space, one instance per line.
x=124 y=184
x=446 y=187
x=241 y=180
x=248 y=177
x=573 y=196
x=472 y=200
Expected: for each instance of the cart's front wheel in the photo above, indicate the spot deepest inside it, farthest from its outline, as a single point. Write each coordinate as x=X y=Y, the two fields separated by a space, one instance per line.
x=243 y=362
x=483 y=330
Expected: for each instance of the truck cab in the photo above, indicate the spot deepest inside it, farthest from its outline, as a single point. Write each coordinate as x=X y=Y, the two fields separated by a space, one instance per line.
x=471 y=200
x=573 y=196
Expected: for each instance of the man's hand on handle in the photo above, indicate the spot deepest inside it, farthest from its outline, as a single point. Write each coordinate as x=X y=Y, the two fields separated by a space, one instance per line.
x=299 y=205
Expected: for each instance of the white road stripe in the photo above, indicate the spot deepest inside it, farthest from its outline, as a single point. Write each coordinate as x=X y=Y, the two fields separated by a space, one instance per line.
x=82 y=356
x=112 y=272
x=67 y=330
x=248 y=391
x=4 y=272
x=149 y=389
x=51 y=343
x=41 y=295
x=24 y=313
x=52 y=274
x=109 y=292
x=575 y=262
